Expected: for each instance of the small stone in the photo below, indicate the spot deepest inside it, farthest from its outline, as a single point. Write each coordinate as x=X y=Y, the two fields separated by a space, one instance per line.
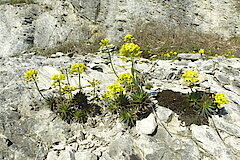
x=59 y=54
x=59 y=147
x=85 y=156
x=52 y=155
x=164 y=113
x=66 y=155
x=72 y=146
x=147 y=125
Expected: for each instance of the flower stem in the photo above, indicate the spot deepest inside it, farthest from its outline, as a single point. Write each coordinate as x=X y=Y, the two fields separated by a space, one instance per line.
x=133 y=70
x=110 y=58
x=60 y=93
x=38 y=88
x=70 y=93
x=79 y=81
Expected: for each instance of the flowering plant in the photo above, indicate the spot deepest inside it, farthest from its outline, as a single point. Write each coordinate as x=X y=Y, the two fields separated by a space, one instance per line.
x=202 y=51
x=106 y=47
x=220 y=99
x=190 y=77
x=32 y=75
x=129 y=38
x=130 y=50
x=78 y=69
x=114 y=91
x=125 y=78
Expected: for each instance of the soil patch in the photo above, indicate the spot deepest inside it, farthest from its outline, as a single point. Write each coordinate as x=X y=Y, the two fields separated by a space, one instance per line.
x=179 y=103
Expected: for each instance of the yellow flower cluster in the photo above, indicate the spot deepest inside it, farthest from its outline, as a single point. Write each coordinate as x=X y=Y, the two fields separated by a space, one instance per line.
x=78 y=68
x=104 y=42
x=129 y=38
x=31 y=75
x=67 y=88
x=167 y=55
x=125 y=78
x=202 y=51
x=170 y=55
x=130 y=50
x=57 y=79
x=113 y=90
x=190 y=77
x=228 y=56
x=220 y=98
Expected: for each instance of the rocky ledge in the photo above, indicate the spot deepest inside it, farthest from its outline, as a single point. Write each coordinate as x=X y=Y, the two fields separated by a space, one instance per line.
x=29 y=130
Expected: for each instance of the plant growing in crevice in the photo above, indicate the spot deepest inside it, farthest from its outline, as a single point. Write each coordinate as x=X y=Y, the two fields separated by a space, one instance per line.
x=64 y=111
x=69 y=107
x=204 y=103
x=127 y=98
x=32 y=76
x=107 y=47
x=78 y=69
x=94 y=83
x=130 y=51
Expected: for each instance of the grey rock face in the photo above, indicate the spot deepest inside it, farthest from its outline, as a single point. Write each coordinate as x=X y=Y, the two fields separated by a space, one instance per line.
x=29 y=130
x=49 y=23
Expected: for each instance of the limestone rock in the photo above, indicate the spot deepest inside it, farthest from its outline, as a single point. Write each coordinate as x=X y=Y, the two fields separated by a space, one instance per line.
x=211 y=142
x=49 y=23
x=146 y=125
x=190 y=56
x=85 y=156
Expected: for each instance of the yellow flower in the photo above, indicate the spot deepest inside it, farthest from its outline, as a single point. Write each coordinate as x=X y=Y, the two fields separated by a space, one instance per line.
x=233 y=56
x=130 y=50
x=202 y=51
x=78 y=68
x=113 y=90
x=216 y=55
x=129 y=38
x=220 y=98
x=167 y=55
x=31 y=75
x=175 y=53
x=57 y=79
x=67 y=88
x=190 y=77
x=125 y=78
x=104 y=42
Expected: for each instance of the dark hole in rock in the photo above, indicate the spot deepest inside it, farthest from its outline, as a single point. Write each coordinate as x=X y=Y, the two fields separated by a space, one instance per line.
x=134 y=157
x=9 y=143
x=179 y=103
x=70 y=55
x=97 y=68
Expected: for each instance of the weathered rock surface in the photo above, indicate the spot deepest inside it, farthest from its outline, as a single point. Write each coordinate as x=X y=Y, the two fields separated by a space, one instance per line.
x=48 y=23
x=29 y=130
